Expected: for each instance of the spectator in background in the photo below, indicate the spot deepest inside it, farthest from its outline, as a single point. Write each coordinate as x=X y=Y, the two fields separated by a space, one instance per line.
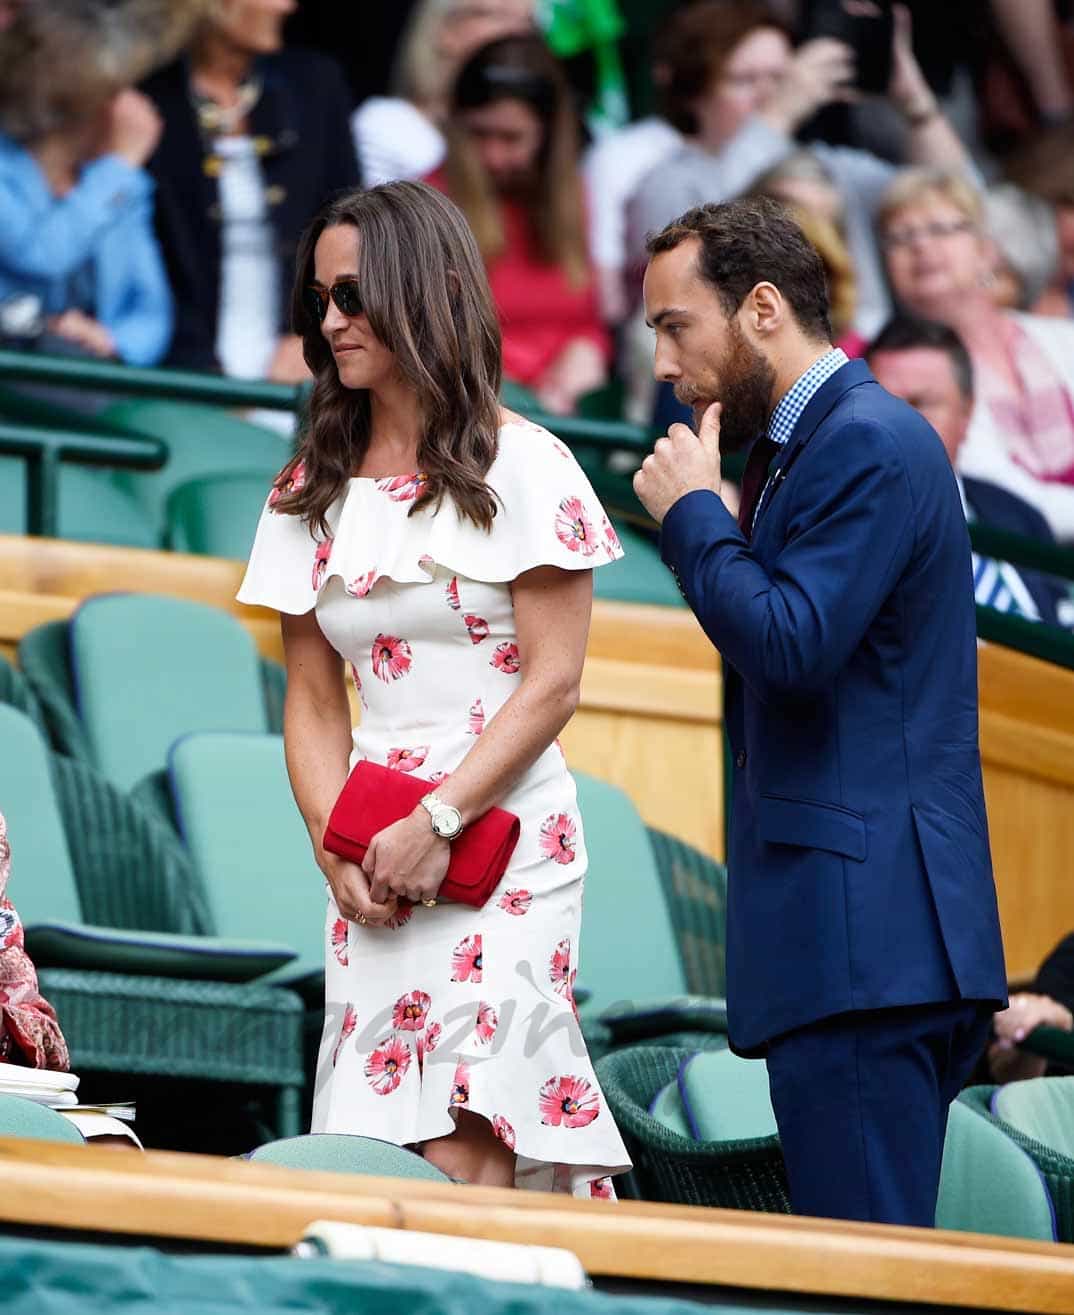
x=927 y=365
x=80 y=269
x=1046 y=169
x=743 y=92
x=1025 y=249
x=29 y=1032
x=803 y=184
x=512 y=167
x=616 y=163
x=940 y=262
x=1047 y=1003
x=402 y=136
x=255 y=139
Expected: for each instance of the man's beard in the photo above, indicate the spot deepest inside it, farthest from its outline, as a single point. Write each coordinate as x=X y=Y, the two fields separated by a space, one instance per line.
x=745 y=389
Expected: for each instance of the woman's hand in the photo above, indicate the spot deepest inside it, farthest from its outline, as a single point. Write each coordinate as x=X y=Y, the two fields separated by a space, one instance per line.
x=80 y=328
x=1025 y=1013
x=820 y=73
x=350 y=890
x=134 y=127
x=407 y=860
x=908 y=89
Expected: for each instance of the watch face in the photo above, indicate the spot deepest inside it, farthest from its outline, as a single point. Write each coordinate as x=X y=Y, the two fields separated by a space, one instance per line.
x=447 y=820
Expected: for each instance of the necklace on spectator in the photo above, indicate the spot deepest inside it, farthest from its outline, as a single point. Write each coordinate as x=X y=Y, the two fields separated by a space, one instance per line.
x=216 y=120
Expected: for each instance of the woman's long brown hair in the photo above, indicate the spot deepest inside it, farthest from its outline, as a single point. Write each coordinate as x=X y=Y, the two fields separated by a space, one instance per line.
x=522 y=68
x=426 y=296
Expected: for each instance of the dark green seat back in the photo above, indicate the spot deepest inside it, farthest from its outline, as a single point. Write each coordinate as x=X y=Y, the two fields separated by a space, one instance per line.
x=148 y=669
x=202 y=440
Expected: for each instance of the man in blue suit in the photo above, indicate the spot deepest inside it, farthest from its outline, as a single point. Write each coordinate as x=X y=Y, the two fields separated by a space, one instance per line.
x=863 y=944
x=927 y=365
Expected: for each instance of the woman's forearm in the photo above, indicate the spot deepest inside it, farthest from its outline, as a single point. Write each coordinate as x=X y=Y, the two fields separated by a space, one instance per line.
x=317 y=744
x=510 y=744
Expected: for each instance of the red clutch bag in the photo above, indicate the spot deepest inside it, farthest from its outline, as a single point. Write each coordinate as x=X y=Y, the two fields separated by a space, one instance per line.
x=374 y=797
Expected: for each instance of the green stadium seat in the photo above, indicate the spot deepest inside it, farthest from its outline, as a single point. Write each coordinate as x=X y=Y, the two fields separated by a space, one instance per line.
x=639 y=576
x=988 y=1184
x=1036 y=1116
x=632 y=978
x=223 y=787
x=93 y=507
x=628 y=949
x=202 y=440
x=1041 y=1108
x=114 y=919
x=340 y=1153
x=45 y=661
x=731 y=1171
x=217 y=515
x=20 y=1117
x=148 y=669
x=725 y=1098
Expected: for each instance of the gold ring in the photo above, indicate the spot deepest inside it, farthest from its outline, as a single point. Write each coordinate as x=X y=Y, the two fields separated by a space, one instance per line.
x=361 y=918
x=429 y=903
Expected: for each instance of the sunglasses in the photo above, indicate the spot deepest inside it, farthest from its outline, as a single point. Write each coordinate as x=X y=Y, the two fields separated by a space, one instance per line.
x=345 y=294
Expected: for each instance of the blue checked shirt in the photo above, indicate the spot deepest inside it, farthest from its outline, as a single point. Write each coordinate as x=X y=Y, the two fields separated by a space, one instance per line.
x=795 y=400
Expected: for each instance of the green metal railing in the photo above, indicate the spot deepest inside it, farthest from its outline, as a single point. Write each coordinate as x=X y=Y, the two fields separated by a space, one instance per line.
x=44 y=446
x=132 y=381
x=44 y=449
x=1033 y=554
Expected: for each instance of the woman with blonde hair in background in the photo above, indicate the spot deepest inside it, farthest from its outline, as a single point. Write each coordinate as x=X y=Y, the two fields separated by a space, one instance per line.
x=809 y=192
x=444 y=550
x=513 y=169
x=941 y=261
x=80 y=269
x=401 y=136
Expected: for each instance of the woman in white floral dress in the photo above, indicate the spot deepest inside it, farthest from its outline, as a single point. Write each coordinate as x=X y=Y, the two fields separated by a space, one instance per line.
x=444 y=549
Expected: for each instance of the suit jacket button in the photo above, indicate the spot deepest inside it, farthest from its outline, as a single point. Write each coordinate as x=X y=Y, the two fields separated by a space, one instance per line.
x=740 y=758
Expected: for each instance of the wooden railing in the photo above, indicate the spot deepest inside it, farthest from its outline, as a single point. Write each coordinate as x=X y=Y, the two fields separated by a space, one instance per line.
x=198 y=1198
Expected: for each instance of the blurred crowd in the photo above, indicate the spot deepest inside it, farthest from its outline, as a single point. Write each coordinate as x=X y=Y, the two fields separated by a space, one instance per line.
x=160 y=158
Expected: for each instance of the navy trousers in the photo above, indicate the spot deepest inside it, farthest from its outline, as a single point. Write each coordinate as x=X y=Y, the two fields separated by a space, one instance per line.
x=861 y=1102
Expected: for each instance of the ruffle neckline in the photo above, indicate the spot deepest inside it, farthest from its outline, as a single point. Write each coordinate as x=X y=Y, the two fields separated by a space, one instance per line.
x=547 y=515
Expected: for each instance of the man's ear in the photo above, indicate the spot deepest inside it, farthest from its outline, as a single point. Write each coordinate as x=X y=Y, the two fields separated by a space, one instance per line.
x=765 y=308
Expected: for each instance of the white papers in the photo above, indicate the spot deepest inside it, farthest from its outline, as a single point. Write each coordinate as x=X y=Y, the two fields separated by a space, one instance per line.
x=509 y=1262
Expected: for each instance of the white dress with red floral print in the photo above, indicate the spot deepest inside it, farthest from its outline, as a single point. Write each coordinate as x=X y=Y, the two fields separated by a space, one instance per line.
x=451 y=1007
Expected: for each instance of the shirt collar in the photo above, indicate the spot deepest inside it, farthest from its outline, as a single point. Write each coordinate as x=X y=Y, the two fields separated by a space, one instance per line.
x=795 y=400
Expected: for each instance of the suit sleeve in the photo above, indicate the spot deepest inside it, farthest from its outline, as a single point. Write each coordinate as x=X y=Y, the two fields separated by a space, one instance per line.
x=792 y=627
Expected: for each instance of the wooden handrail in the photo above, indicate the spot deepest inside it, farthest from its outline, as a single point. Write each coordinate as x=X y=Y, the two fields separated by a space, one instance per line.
x=168 y=1195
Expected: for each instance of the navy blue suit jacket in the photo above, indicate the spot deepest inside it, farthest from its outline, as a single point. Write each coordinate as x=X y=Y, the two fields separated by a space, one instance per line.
x=1006 y=511
x=859 y=867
